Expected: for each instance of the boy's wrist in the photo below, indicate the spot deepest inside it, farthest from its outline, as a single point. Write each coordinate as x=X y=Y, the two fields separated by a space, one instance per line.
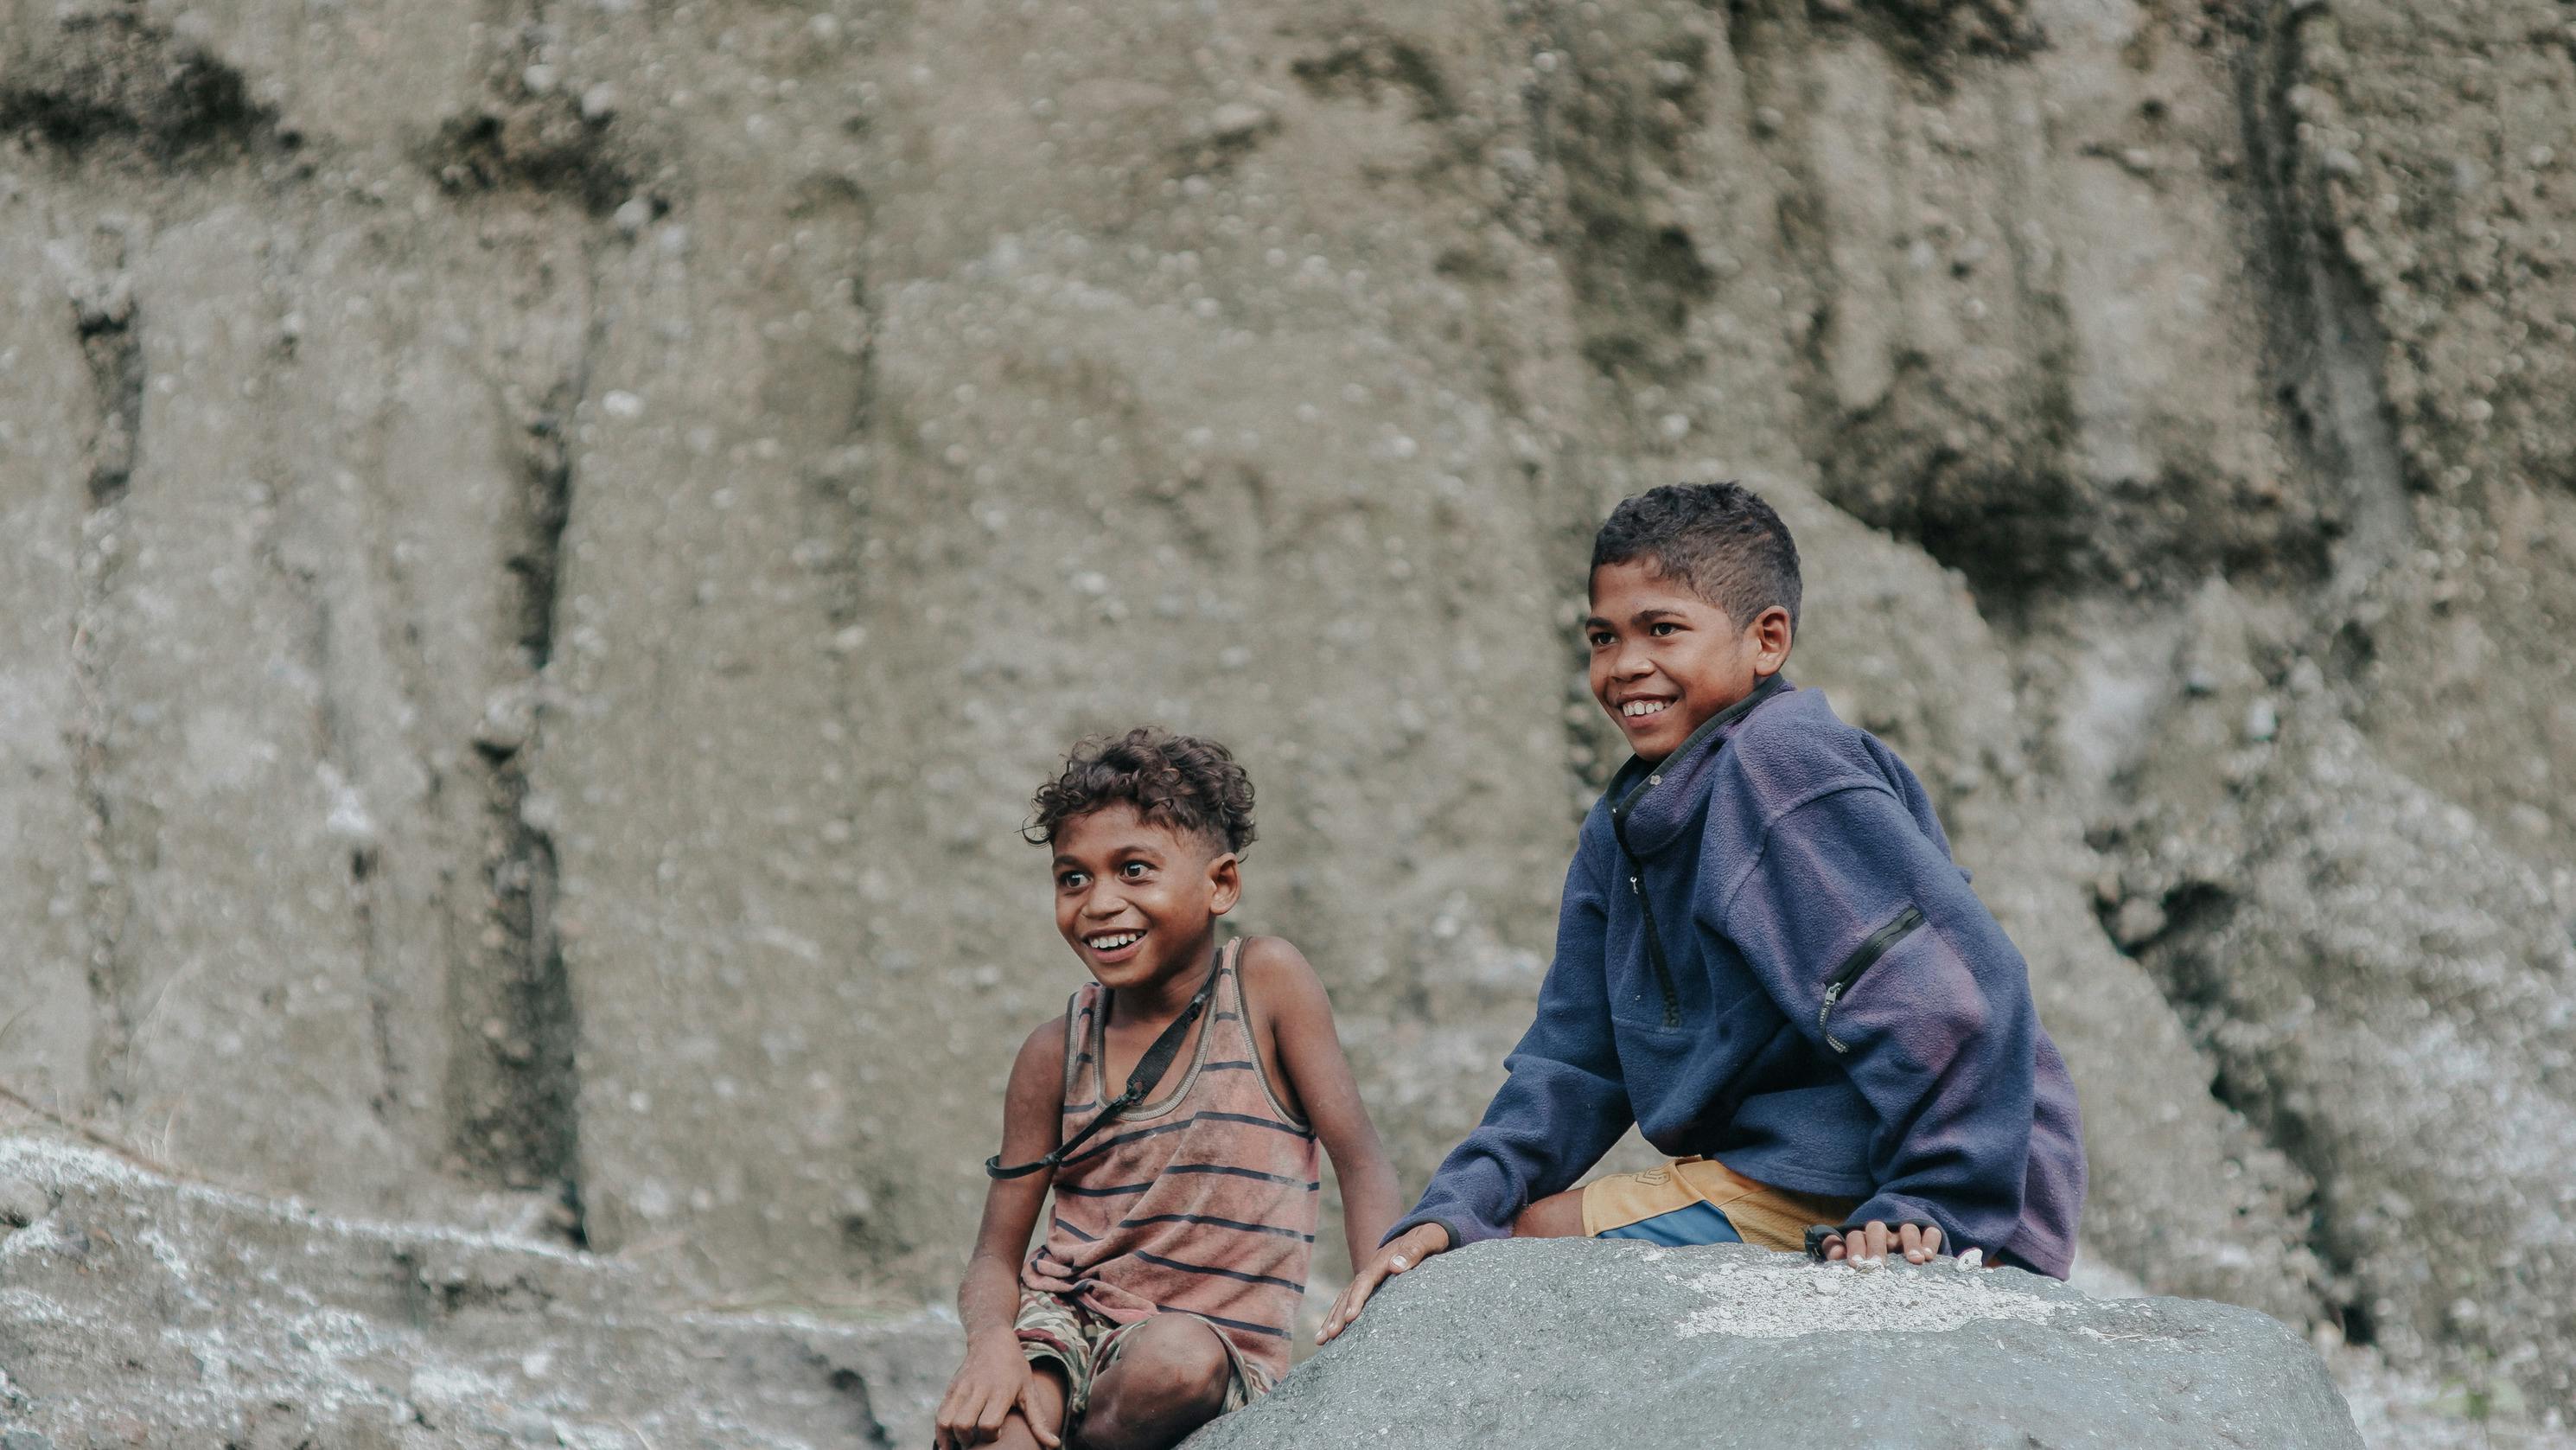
x=1448 y=1233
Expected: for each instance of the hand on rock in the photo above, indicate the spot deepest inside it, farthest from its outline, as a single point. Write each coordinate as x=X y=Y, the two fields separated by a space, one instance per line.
x=1393 y=1257
x=1920 y=1243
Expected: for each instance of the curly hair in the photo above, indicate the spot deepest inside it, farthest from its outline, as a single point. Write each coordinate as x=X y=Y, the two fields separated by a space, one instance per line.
x=1718 y=539
x=1186 y=782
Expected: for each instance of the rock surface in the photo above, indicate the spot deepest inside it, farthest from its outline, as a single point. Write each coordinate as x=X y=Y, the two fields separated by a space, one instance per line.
x=138 y=1311
x=1538 y=1343
x=2325 y=918
x=546 y=544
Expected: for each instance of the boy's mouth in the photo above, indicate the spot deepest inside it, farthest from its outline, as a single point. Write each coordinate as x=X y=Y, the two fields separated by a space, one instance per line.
x=1111 y=946
x=1640 y=709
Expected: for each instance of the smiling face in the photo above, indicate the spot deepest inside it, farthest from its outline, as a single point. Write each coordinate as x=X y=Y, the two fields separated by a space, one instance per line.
x=1138 y=900
x=1665 y=660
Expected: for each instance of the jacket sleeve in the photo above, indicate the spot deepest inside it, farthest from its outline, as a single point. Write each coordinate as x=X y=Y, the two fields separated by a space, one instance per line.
x=1930 y=1010
x=1563 y=1103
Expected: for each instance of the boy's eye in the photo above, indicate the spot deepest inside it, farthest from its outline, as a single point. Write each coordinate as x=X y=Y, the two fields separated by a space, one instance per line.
x=1600 y=638
x=1071 y=880
x=1662 y=628
x=1134 y=870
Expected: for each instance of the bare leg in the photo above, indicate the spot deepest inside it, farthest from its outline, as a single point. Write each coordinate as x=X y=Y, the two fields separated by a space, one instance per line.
x=1170 y=1379
x=1047 y=1404
x=1557 y=1216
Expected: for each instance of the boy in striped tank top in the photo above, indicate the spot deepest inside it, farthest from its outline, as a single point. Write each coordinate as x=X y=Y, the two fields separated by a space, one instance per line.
x=1176 y=1111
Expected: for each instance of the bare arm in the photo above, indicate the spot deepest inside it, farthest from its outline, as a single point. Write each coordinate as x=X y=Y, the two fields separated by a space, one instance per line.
x=1311 y=1058
x=995 y=1379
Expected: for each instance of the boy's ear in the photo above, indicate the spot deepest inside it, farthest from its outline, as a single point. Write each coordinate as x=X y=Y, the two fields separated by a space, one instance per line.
x=1225 y=882
x=1773 y=635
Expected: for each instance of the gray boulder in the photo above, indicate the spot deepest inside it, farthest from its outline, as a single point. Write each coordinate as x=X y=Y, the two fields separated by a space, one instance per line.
x=138 y=1310
x=1560 y=1344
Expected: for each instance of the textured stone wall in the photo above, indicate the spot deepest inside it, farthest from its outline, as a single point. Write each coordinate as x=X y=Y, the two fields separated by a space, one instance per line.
x=547 y=543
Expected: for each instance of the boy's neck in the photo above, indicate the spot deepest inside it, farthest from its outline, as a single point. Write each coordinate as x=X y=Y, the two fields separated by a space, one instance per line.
x=1156 y=1003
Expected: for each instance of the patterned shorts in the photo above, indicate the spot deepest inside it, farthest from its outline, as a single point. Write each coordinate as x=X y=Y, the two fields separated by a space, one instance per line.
x=1702 y=1201
x=1086 y=1344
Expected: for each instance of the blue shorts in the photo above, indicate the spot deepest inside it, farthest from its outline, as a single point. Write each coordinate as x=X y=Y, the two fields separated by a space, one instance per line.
x=1683 y=1227
x=1701 y=1201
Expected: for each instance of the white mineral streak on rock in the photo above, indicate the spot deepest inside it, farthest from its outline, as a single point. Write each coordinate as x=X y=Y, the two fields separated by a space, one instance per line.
x=1783 y=1302
x=69 y=1165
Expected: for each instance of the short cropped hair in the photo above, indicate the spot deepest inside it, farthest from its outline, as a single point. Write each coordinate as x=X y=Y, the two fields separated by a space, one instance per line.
x=1718 y=539
x=1185 y=782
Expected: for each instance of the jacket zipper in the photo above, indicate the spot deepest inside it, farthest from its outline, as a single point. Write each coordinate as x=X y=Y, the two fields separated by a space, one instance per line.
x=1636 y=871
x=1877 y=944
x=1645 y=909
x=1655 y=951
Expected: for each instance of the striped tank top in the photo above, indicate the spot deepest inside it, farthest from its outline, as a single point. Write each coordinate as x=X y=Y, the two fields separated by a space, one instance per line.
x=1203 y=1200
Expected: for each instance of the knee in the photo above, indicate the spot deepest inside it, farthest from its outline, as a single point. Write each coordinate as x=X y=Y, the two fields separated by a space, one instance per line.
x=1181 y=1350
x=1557 y=1216
x=1171 y=1363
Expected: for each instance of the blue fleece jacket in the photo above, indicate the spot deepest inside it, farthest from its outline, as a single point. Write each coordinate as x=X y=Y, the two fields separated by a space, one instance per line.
x=1835 y=1011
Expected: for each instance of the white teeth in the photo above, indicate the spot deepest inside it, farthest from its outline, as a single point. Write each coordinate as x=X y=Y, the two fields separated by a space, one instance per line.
x=1114 y=941
x=1643 y=707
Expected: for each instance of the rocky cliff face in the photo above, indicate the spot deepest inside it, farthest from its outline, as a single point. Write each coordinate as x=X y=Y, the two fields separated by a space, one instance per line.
x=547 y=543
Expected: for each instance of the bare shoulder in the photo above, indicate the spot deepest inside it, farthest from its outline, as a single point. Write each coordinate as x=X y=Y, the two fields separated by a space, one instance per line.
x=1275 y=962
x=1278 y=977
x=1043 y=1050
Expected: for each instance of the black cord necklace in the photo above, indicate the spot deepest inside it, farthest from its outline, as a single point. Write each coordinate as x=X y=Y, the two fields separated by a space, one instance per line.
x=1149 y=1071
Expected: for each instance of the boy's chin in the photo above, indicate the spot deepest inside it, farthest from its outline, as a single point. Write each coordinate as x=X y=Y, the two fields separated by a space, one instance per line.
x=1124 y=969
x=1658 y=740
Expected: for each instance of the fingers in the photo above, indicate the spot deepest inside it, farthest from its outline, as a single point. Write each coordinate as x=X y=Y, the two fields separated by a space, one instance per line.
x=1867 y=1244
x=1356 y=1293
x=951 y=1414
x=1873 y=1241
x=1030 y=1411
x=995 y=1413
x=1404 y=1253
x=1340 y=1313
x=970 y=1416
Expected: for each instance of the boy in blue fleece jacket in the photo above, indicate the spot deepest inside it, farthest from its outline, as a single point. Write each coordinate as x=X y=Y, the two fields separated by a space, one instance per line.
x=1765 y=959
